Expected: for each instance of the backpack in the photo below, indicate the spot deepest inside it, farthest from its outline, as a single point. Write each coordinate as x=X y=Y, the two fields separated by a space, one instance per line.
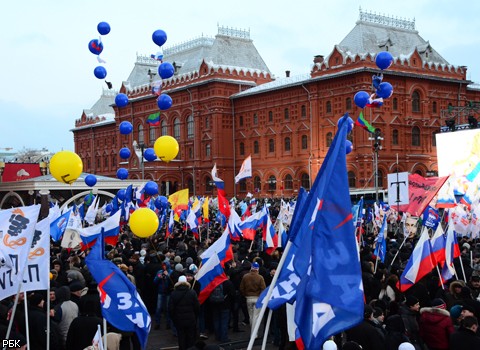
x=217 y=295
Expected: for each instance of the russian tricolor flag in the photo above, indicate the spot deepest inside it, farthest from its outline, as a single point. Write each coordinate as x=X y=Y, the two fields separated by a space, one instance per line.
x=269 y=234
x=209 y=276
x=221 y=248
x=421 y=262
x=250 y=225
x=110 y=228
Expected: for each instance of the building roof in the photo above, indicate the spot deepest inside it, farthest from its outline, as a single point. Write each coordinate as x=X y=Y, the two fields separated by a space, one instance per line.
x=374 y=33
x=230 y=47
x=103 y=106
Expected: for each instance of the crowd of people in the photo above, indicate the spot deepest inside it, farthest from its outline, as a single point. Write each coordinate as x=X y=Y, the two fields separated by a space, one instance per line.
x=426 y=316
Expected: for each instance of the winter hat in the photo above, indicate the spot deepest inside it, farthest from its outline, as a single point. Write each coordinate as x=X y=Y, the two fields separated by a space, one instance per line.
x=35 y=298
x=193 y=268
x=406 y=346
x=76 y=286
x=455 y=311
x=439 y=303
x=179 y=267
x=189 y=261
x=143 y=252
x=255 y=266
x=329 y=345
x=466 y=293
x=410 y=300
x=182 y=279
x=466 y=245
x=367 y=311
x=178 y=259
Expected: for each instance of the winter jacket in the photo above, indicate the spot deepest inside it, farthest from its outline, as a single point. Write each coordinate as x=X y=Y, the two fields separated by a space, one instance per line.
x=464 y=339
x=252 y=284
x=435 y=327
x=367 y=336
x=183 y=305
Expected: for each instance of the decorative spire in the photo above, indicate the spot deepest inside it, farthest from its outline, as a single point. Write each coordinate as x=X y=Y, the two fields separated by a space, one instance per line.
x=396 y=22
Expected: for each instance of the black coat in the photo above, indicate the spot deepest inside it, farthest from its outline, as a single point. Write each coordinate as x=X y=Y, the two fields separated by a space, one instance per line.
x=464 y=339
x=367 y=336
x=183 y=305
x=81 y=332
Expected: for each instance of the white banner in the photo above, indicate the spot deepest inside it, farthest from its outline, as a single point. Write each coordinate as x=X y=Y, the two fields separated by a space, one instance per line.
x=37 y=273
x=17 y=226
x=245 y=170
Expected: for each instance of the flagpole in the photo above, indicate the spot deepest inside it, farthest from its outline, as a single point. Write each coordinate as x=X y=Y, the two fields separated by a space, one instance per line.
x=27 y=332
x=269 y=295
x=48 y=313
x=105 y=333
x=440 y=276
x=267 y=326
x=463 y=271
x=398 y=251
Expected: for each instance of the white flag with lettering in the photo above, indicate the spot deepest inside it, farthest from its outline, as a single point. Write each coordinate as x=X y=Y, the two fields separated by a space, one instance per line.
x=245 y=170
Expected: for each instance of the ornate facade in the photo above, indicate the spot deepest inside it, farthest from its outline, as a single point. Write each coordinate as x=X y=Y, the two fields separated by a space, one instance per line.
x=227 y=105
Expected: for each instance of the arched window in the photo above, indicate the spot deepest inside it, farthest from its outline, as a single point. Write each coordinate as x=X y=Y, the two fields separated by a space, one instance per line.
x=286 y=114
x=207 y=150
x=164 y=128
x=272 y=183
x=415 y=101
x=395 y=104
x=351 y=179
x=328 y=107
x=141 y=137
x=303 y=111
x=208 y=184
x=287 y=144
x=329 y=139
x=270 y=116
x=243 y=185
x=305 y=181
x=176 y=129
x=240 y=120
x=106 y=162
x=207 y=122
x=242 y=148
x=348 y=103
x=151 y=135
x=257 y=184
x=256 y=148
x=190 y=127
x=415 y=136
x=114 y=160
x=434 y=107
x=395 y=137
x=288 y=182
x=190 y=185
x=304 y=142
x=271 y=145
x=255 y=119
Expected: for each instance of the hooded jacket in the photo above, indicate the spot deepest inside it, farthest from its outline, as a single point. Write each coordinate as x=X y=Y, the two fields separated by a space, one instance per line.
x=435 y=327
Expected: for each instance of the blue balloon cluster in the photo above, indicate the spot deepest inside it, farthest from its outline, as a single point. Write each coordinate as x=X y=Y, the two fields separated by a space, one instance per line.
x=165 y=70
x=382 y=89
x=95 y=46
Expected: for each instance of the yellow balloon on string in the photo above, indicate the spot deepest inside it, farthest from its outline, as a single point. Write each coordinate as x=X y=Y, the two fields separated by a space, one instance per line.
x=66 y=166
x=166 y=148
x=143 y=222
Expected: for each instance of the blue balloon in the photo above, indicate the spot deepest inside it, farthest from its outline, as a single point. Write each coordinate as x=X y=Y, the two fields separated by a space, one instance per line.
x=164 y=102
x=384 y=60
x=122 y=173
x=88 y=200
x=149 y=154
x=100 y=72
x=159 y=37
x=121 y=194
x=348 y=146
x=125 y=128
x=121 y=100
x=90 y=180
x=161 y=202
x=166 y=70
x=95 y=46
x=109 y=208
x=103 y=28
x=385 y=90
x=124 y=153
x=151 y=188
x=361 y=98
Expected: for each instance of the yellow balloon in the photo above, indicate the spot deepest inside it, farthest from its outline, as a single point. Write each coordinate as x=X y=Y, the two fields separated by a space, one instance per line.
x=143 y=222
x=66 y=166
x=166 y=148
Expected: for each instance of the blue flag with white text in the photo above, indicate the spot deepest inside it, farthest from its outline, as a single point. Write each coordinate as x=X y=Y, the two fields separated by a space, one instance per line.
x=121 y=304
x=330 y=297
x=381 y=246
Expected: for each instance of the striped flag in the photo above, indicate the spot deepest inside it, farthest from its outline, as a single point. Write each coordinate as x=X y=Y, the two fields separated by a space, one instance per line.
x=154 y=119
x=362 y=122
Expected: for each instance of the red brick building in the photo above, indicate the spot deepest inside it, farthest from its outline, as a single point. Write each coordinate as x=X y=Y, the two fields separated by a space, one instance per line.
x=227 y=105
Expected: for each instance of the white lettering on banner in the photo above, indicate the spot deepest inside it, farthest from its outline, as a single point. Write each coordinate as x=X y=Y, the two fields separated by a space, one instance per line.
x=138 y=319
x=345 y=284
x=322 y=314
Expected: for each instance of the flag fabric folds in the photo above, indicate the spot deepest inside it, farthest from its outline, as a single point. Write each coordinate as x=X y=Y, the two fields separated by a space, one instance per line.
x=223 y=205
x=171 y=223
x=421 y=262
x=154 y=119
x=121 y=304
x=381 y=246
x=210 y=275
x=179 y=201
x=245 y=170
x=110 y=228
x=221 y=248
x=330 y=298
x=364 y=124
x=59 y=225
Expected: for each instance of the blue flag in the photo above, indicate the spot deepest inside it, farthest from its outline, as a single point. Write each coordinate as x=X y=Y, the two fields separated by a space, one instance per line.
x=58 y=226
x=381 y=246
x=329 y=297
x=122 y=306
x=288 y=280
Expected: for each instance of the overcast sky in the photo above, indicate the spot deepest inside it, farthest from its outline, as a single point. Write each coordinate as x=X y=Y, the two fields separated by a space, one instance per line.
x=47 y=70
